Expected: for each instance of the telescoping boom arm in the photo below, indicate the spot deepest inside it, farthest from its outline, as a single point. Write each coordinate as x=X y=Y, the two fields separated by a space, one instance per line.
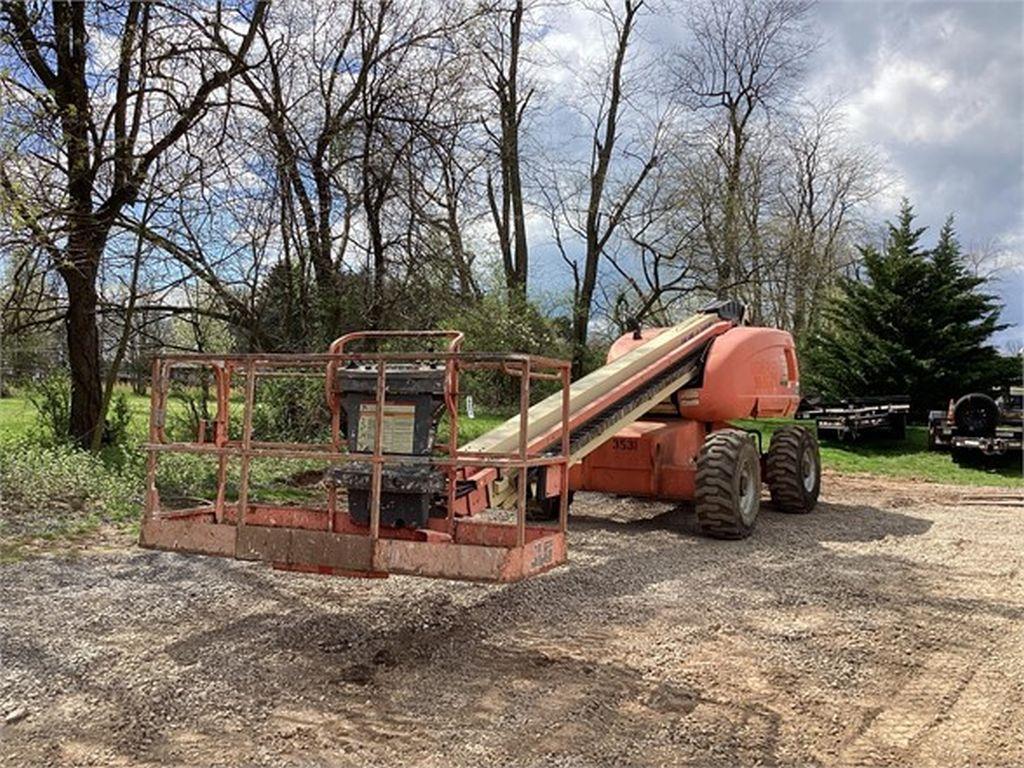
x=619 y=392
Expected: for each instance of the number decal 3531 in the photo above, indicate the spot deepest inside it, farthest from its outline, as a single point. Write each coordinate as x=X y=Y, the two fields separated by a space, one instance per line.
x=625 y=444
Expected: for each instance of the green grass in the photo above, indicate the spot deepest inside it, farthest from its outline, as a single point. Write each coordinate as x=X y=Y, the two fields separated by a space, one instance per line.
x=17 y=417
x=51 y=493
x=470 y=429
x=55 y=492
x=909 y=459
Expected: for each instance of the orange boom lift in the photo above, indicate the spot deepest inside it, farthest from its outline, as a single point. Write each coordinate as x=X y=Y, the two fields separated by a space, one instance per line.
x=654 y=421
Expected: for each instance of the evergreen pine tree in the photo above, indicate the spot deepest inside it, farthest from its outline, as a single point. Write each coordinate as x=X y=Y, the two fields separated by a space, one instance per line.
x=914 y=322
x=964 y=317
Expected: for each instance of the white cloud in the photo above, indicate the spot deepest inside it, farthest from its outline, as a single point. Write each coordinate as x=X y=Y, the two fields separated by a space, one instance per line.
x=935 y=89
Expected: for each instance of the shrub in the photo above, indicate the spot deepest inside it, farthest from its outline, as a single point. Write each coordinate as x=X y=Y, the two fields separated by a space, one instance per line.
x=291 y=410
x=58 y=489
x=51 y=397
x=496 y=325
x=188 y=476
x=117 y=430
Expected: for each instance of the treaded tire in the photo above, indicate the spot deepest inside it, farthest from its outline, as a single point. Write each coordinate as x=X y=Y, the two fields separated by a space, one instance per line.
x=792 y=470
x=727 y=496
x=976 y=415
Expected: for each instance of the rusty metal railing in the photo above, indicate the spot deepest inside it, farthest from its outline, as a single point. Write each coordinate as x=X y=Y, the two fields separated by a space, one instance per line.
x=455 y=464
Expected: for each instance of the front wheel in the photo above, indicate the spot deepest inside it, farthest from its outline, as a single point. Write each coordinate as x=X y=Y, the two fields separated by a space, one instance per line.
x=793 y=470
x=727 y=495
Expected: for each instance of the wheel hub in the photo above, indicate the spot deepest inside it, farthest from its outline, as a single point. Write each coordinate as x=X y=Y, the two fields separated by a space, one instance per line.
x=749 y=494
x=809 y=470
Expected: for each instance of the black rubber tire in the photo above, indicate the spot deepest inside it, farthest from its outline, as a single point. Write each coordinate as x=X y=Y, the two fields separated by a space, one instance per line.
x=728 y=471
x=976 y=415
x=792 y=452
x=898 y=427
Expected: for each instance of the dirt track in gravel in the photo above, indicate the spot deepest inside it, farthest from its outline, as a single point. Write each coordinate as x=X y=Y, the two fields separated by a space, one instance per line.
x=886 y=628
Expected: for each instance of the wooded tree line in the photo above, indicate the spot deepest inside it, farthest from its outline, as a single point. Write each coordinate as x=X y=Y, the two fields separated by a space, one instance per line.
x=269 y=176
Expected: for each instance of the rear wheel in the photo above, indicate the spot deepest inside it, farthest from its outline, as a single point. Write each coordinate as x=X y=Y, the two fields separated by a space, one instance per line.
x=793 y=470
x=728 y=485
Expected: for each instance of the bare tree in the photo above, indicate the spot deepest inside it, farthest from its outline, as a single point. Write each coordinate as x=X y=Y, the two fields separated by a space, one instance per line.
x=822 y=182
x=114 y=124
x=312 y=93
x=447 y=193
x=393 y=111
x=589 y=203
x=743 y=61
x=501 y=47
x=309 y=96
x=659 y=265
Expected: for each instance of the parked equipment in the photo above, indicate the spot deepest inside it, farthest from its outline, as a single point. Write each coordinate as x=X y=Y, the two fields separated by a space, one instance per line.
x=857 y=418
x=653 y=422
x=979 y=425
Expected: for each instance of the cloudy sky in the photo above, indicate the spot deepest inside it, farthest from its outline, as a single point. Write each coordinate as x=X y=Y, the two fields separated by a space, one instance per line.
x=938 y=90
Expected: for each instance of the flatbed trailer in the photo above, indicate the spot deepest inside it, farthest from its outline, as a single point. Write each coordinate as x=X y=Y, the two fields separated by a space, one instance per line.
x=651 y=422
x=851 y=420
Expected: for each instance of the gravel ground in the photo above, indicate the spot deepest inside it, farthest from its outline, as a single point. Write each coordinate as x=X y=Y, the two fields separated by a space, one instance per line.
x=885 y=628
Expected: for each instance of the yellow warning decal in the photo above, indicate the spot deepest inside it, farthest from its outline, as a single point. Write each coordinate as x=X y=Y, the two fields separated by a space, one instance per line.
x=397 y=430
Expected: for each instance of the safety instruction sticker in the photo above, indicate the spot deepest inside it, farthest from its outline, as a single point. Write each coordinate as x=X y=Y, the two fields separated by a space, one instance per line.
x=397 y=430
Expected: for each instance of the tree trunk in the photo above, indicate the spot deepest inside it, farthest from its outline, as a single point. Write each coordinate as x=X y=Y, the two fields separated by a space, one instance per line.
x=728 y=271
x=510 y=215
x=522 y=258
x=83 y=353
x=372 y=207
x=580 y=322
x=467 y=285
x=601 y=158
x=800 y=291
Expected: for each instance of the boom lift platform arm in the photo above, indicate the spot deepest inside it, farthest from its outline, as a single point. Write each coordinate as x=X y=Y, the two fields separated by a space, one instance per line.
x=651 y=422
